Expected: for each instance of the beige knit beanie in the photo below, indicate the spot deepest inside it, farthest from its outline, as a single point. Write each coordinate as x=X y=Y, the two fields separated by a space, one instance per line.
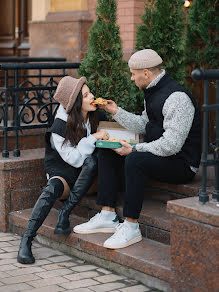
x=67 y=91
x=144 y=59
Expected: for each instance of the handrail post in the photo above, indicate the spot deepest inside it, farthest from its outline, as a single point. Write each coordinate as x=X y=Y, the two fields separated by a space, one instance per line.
x=203 y=196
x=212 y=74
x=5 y=152
x=16 y=151
x=215 y=194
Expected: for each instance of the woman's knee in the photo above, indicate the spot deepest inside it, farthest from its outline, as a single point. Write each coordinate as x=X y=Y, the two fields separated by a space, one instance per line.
x=90 y=162
x=66 y=190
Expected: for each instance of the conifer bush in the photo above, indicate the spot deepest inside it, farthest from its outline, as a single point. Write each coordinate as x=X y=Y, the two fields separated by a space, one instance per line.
x=163 y=30
x=107 y=73
x=202 y=36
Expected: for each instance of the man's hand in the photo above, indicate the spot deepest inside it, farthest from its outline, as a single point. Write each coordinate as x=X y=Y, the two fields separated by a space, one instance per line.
x=111 y=107
x=125 y=150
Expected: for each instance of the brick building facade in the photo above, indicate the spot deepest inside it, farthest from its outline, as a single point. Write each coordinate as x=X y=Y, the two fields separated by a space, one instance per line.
x=60 y=27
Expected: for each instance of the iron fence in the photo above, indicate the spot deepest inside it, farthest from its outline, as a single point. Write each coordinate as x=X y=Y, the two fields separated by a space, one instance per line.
x=207 y=75
x=27 y=94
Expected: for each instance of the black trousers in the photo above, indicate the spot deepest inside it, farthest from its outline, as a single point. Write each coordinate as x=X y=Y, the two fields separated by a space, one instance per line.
x=136 y=168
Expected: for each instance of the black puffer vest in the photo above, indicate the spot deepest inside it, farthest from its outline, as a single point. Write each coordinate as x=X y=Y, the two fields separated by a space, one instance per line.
x=52 y=157
x=155 y=98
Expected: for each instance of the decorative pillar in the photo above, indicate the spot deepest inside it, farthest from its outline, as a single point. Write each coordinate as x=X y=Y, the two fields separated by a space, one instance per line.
x=194 y=241
x=63 y=32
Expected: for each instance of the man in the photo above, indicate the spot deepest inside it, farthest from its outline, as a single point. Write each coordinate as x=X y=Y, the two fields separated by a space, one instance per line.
x=170 y=152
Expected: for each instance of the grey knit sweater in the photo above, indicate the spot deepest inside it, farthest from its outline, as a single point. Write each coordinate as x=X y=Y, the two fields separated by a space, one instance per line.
x=178 y=112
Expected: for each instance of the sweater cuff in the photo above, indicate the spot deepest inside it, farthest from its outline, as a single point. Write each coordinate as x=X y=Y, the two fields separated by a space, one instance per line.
x=120 y=110
x=91 y=139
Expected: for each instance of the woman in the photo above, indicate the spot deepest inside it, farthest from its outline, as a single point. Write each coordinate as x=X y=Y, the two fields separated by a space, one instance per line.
x=69 y=160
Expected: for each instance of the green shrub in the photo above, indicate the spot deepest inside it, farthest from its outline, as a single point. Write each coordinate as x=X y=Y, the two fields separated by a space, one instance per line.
x=163 y=30
x=202 y=34
x=107 y=73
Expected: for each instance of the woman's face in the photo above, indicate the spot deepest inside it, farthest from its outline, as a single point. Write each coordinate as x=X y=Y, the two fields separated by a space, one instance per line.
x=87 y=99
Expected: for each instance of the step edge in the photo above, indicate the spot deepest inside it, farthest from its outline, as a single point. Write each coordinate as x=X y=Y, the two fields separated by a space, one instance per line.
x=148 y=264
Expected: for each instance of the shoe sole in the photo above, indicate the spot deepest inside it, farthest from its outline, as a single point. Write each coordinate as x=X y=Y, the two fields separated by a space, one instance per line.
x=99 y=230
x=62 y=232
x=25 y=261
x=134 y=240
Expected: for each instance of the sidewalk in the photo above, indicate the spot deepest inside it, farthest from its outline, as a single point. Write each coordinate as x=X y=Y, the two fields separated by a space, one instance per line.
x=54 y=271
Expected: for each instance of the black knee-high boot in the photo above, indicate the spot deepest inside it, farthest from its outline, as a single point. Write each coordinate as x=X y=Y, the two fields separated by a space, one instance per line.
x=81 y=186
x=51 y=192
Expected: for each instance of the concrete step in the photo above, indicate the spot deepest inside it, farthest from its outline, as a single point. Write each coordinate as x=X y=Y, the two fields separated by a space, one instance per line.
x=148 y=259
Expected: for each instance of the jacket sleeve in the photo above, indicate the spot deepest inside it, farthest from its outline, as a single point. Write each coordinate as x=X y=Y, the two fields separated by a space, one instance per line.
x=178 y=112
x=132 y=122
x=74 y=156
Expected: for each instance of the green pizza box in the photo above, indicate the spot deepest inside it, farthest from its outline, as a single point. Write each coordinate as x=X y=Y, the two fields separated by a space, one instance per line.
x=110 y=144
x=116 y=131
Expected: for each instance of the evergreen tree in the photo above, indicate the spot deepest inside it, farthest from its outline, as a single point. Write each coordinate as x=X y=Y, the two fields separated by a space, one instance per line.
x=107 y=73
x=163 y=30
x=202 y=36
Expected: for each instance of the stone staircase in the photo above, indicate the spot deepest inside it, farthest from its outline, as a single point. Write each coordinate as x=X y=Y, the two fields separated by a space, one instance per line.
x=148 y=261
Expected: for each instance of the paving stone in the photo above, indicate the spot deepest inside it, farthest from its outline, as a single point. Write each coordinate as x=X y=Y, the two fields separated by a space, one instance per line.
x=15 y=287
x=54 y=273
x=6 y=238
x=37 y=263
x=107 y=287
x=83 y=275
x=61 y=258
x=104 y=271
x=79 y=284
x=8 y=268
x=44 y=253
x=5 y=234
x=53 y=288
x=51 y=267
x=81 y=290
x=109 y=278
x=15 y=242
x=11 y=248
x=84 y=268
x=4 y=275
x=26 y=271
x=19 y=279
x=48 y=282
x=138 y=288
x=3 y=244
x=8 y=255
x=8 y=261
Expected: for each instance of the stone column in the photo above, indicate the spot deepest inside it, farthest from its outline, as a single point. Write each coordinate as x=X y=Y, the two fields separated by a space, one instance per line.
x=194 y=243
x=63 y=32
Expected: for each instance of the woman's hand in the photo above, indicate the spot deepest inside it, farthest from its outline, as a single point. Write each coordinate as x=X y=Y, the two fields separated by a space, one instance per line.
x=101 y=135
x=111 y=107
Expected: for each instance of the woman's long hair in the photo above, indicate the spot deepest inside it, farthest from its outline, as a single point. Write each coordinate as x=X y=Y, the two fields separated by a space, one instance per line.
x=75 y=128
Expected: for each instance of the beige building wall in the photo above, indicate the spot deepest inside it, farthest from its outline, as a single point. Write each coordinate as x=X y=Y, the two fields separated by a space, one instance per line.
x=40 y=8
x=129 y=15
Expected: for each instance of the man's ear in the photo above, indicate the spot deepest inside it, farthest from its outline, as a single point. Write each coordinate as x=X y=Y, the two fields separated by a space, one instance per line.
x=146 y=73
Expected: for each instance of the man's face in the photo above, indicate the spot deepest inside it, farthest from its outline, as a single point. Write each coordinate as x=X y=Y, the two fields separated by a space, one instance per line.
x=140 y=78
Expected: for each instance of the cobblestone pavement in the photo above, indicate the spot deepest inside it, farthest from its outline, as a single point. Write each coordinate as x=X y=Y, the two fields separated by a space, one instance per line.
x=54 y=271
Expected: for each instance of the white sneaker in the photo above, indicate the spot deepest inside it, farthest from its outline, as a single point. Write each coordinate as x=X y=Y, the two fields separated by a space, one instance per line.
x=98 y=223
x=123 y=237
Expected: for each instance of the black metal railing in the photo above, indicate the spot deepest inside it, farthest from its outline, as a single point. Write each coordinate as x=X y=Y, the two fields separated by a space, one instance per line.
x=207 y=75
x=27 y=60
x=27 y=95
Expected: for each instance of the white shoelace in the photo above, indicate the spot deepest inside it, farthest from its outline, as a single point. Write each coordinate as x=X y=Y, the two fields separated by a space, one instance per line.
x=121 y=231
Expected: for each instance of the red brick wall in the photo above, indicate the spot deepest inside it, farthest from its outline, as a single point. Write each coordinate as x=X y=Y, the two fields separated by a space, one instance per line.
x=21 y=181
x=129 y=15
